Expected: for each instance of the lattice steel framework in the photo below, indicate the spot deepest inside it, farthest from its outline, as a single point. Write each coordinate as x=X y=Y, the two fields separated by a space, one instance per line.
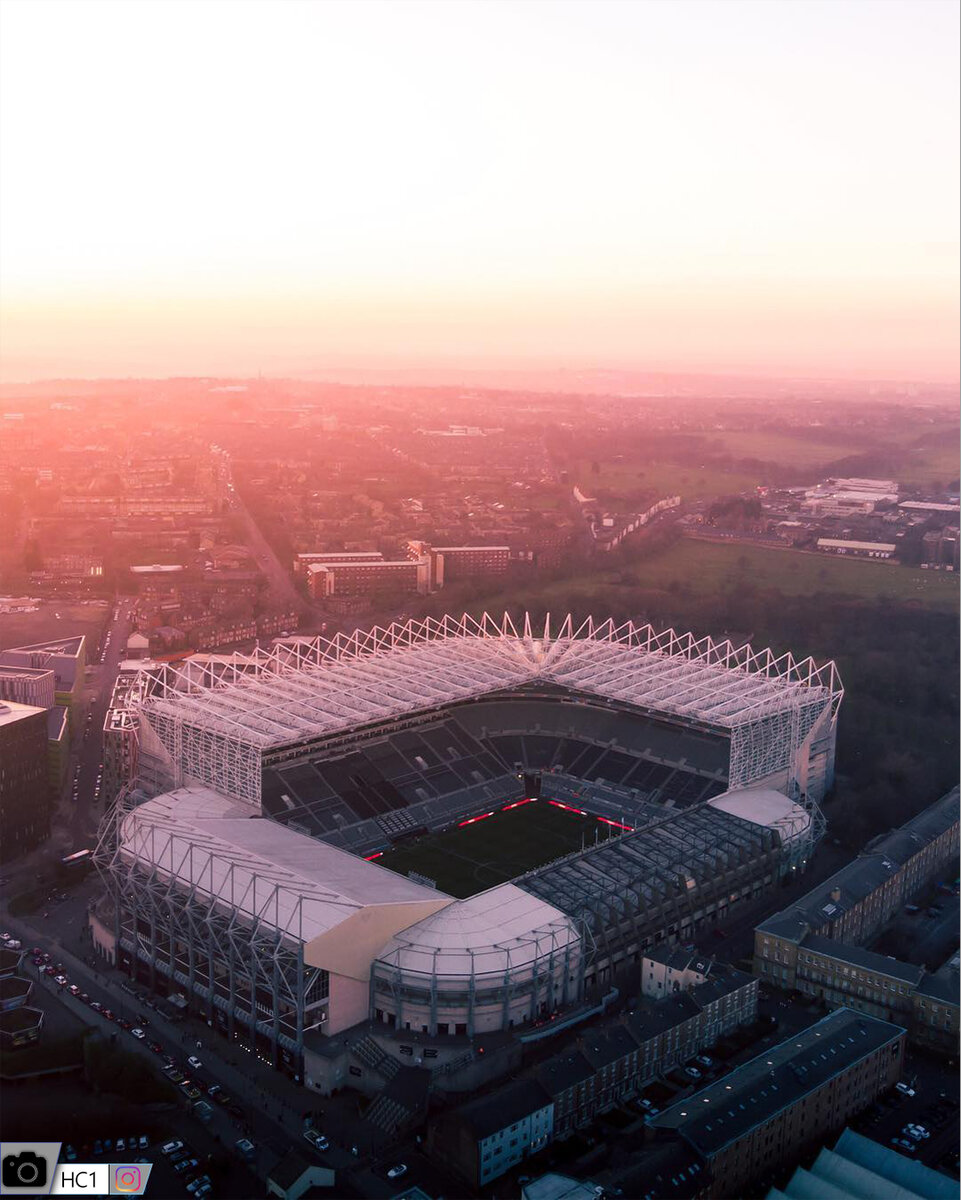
x=216 y=722
x=232 y=942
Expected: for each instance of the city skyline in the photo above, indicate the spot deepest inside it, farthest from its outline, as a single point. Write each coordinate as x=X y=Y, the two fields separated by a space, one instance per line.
x=699 y=187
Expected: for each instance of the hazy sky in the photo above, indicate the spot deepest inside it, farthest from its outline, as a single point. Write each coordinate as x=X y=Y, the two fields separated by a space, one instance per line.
x=229 y=185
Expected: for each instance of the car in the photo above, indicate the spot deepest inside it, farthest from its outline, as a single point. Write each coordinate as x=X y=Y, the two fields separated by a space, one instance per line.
x=70 y=1153
x=704 y=1060
x=199 y=1186
x=185 y=1164
x=124 y=1024
x=143 y=1142
x=74 y=990
x=918 y=1132
x=246 y=1147
x=98 y=1148
x=316 y=1139
x=396 y=1172
x=693 y=1072
x=155 y=1047
x=110 y=1014
x=138 y=1034
x=96 y=1006
x=194 y=1062
x=84 y=997
x=213 y=1091
x=191 y=1092
x=174 y=1075
x=121 y=1144
x=904 y=1089
x=904 y=1144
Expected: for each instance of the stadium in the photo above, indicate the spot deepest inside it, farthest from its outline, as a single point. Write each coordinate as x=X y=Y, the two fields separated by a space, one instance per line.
x=453 y=827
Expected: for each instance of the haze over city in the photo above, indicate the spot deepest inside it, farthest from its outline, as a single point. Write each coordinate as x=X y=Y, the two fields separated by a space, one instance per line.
x=756 y=187
x=480 y=546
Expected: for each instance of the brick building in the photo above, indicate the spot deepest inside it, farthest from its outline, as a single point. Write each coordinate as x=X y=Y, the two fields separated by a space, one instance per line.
x=857 y=902
x=787 y=1100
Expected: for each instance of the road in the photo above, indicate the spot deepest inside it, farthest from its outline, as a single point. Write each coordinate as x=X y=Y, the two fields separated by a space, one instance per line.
x=105 y=666
x=276 y=572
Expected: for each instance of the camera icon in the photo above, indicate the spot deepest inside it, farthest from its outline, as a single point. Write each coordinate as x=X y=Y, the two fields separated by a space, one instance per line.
x=24 y=1170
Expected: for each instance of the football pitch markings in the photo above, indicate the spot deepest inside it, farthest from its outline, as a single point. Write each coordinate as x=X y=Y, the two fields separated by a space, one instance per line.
x=497 y=847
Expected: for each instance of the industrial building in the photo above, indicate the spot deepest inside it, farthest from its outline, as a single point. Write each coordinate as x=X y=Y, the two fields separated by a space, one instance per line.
x=236 y=874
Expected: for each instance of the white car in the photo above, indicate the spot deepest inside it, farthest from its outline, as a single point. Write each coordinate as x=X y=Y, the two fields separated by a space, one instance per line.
x=169 y=1148
x=194 y=1062
x=138 y=1034
x=904 y=1089
x=693 y=1072
x=396 y=1172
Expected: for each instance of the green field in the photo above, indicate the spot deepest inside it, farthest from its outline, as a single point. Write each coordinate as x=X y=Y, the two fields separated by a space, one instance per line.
x=623 y=479
x=472 y=858
x=709 y=568
x=782 y=447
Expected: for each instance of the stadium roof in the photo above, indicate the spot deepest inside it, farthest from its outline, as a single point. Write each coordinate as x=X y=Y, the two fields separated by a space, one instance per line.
x=328 y=685
x=500 y=929
x=273 y=875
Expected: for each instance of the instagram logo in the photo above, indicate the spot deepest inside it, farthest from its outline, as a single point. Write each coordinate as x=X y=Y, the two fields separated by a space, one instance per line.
x=126 y=1179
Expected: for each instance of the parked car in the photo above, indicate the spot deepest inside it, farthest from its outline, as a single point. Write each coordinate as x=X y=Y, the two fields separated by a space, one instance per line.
x=143 y=1142
x=316 y=1139
x=194 y=1062
x=693 y=1072
x=185 y=1164
x=904 y=1089
x=904 y=1144
x=246 y=1148
x=396 y=1172
x=138 y=1034
x=704 y=1060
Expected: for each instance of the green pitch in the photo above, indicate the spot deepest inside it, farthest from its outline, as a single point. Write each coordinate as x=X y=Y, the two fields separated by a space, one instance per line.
x=471 y=858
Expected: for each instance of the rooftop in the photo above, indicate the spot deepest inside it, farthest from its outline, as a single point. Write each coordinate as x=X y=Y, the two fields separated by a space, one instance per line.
x=825 y=903
x=507 y=1105
x=858 y=1167
x=725 y=1111
x=485 y=934
x=327 y=685
x=11 y=712
x=294 y=883
x=880 y=963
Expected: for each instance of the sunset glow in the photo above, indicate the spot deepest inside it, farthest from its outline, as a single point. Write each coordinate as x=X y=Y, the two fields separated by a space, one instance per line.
x=200 y=188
